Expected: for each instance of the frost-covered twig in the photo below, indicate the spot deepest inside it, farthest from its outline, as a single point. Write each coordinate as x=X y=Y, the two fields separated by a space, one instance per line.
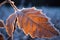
x=2 y=3
x=11 y=3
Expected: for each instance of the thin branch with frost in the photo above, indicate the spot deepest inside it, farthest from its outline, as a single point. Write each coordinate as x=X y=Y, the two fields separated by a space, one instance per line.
x=2 y=3
x=11 y=3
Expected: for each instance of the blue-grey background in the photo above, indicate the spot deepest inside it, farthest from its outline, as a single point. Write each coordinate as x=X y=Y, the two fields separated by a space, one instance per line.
x=49 y=7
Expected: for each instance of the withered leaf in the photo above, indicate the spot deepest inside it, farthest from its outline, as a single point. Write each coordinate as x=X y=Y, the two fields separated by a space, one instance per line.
x=32 y=22
x=1 y=37
x=35 y=23
x=1 y=24
x=10 y=24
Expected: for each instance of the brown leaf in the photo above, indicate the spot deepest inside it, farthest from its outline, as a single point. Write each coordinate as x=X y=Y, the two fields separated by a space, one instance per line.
x=1 y=23
x=32 y=22
x=1 y=37
x=35 y=23
x=10 y=24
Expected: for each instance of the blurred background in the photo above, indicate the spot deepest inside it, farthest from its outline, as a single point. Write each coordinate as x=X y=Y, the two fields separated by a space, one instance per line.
x=49 y=7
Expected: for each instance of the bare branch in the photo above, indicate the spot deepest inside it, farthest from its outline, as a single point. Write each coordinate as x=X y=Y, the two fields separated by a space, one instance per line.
x=2 y=3
x=12 y=4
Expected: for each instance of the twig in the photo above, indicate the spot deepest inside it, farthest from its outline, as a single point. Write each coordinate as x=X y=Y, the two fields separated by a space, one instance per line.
x=2 y=3
x=12 y=4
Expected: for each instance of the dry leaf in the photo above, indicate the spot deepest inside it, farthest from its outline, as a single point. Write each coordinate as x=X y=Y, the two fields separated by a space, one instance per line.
x=1 y=23
x=32 y=22
x=35 y=23
x=1 y=37
x=10 y=24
